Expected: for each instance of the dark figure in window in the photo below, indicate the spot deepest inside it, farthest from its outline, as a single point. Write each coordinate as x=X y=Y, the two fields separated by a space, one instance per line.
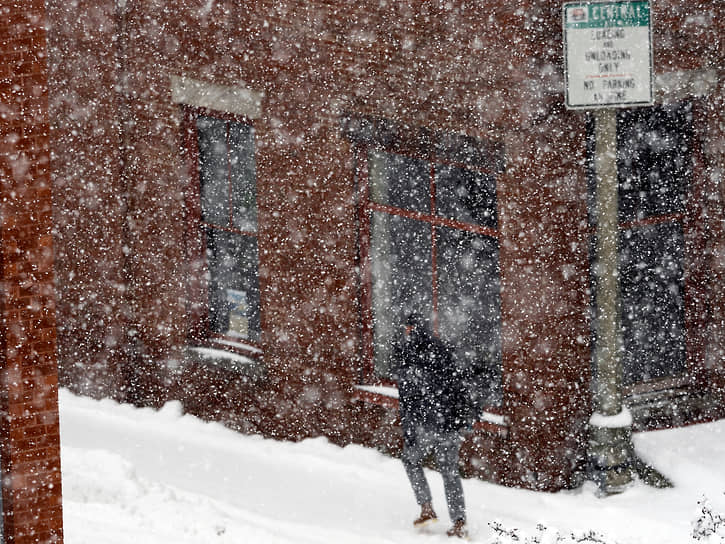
x=433 y=412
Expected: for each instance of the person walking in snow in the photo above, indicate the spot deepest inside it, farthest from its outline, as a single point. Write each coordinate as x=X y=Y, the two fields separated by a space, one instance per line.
x=433 y=412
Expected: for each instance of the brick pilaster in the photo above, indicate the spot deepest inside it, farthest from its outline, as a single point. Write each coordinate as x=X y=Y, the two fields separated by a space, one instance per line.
x=29 y=429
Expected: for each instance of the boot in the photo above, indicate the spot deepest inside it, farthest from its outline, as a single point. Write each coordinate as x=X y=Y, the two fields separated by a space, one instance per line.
x=427 y=515
x=458 y=529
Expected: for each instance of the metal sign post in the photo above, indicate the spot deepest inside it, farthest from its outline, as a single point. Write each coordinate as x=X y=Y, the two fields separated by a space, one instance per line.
x=608 y=58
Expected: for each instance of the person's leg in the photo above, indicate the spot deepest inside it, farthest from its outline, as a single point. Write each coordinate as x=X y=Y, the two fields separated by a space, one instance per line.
x=447 y=450
x=414 y=450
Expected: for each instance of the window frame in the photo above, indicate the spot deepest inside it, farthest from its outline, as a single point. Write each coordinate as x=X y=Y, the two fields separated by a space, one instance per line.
x=366 y=206
x=199 y=330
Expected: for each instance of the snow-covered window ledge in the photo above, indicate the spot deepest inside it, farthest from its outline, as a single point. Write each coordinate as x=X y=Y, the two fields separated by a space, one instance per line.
x=385 y=395
x=382 y=395
x=226 y=360
x=492 y=423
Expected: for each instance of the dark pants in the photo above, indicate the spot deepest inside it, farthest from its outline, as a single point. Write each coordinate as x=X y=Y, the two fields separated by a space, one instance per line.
x=445 y=447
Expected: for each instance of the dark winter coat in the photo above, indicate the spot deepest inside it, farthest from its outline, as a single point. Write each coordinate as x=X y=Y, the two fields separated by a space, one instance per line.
x=432 y=390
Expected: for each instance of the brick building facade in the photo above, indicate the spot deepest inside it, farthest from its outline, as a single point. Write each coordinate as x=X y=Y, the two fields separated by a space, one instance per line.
x=29 y=429
x=236 y=187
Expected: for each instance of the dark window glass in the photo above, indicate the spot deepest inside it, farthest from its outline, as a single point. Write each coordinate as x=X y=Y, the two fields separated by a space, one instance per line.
x=214 y=170
x=243 y=177
x=653 y=152
x=652 y=302
x=654 y=158
x=459 y=293
x=399 y=181
x=229 y=215
x=469 y=304
x=466 y=195
x=233 y=285
x=402 y=278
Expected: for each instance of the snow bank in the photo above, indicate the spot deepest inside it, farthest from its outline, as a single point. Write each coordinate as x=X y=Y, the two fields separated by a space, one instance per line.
x=143 y=476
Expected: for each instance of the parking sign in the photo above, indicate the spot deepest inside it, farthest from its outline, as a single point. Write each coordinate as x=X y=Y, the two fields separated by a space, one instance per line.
x=608 y=54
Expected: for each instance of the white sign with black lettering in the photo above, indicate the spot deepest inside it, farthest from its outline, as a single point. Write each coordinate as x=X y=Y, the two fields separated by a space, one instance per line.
x=608 y=54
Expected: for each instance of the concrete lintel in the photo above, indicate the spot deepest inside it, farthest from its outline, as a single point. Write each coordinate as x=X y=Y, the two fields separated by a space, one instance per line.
x=680 y=85
x=203 y=94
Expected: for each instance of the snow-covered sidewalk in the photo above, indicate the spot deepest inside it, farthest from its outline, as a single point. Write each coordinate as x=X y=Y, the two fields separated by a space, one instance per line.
x=143 y=476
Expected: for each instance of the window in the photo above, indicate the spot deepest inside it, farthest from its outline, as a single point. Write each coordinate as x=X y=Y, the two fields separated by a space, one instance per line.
x=430 y=244
x=654 y=163
x=225 y=227
x=654 y=167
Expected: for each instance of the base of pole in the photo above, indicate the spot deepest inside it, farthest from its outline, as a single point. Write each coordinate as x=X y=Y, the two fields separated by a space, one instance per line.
x=650 y=475
x=613 y=463
x=611 y=456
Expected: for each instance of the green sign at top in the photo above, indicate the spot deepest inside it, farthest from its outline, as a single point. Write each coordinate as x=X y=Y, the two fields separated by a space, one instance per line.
x=608 y=54
x=581 y=15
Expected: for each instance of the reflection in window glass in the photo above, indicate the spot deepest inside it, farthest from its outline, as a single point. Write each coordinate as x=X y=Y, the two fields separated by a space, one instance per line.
x=466 y=195
x=469 y=313
x=652 y=302
x=399 y=181
x=402 y=278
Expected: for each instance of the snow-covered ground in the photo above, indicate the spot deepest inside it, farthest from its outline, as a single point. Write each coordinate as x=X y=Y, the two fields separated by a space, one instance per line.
x=143 y=476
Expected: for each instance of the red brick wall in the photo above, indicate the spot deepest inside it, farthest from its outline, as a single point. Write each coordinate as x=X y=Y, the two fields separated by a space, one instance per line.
x=88 y=195
x=492 y=70
x=430 y=64
x=29 y=433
